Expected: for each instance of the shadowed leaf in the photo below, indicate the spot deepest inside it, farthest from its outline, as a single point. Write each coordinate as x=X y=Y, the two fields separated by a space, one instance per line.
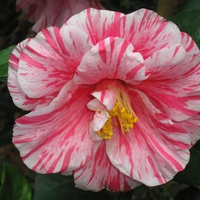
x=4 y=57
x=13 y=185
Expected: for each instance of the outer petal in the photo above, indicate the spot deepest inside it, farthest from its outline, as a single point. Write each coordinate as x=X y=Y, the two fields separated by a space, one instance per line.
x=170 y=63
x=112 y=58
x=19 y=98
x=46 y=64
x=146 y=30
x=99 y=173
x=192 y=126
x=154 y=150
x=189 y=44
x=94 y=22
x=173 y=82
x=56 y=138
x=47 y=12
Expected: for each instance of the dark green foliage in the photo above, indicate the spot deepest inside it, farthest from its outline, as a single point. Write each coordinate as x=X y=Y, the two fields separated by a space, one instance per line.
x=190 y=5
x=13 y=185
x=4 y=57
x=56 y=186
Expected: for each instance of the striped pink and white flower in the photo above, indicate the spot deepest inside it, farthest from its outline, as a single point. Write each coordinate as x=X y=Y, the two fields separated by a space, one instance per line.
x=113 y=99
x=45 y=13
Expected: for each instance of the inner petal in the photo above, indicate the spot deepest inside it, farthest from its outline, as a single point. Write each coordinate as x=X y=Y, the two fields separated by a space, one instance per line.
x=121 y=115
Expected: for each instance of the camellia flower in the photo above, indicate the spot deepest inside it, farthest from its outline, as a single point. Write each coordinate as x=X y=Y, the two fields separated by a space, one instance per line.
x=47 y=13
x=113 y=99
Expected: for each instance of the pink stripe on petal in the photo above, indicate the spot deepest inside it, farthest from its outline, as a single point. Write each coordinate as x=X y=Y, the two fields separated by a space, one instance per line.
x=16 y=53
x=167 y=140
x=43 y=61
x=173 y=82
x=165 y=154
x=120 y=62
x=189 y=44
x=146 y=30
x=99 y=173
x=156 y=173
x=53 y=139
x=19 y=97
x=75 y=41
x=192 y=126
x=94 y=22
x=149 y=153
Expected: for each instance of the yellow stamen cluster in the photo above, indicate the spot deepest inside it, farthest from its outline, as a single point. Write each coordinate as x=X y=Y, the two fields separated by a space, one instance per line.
x=122 y=114
x=107 y=130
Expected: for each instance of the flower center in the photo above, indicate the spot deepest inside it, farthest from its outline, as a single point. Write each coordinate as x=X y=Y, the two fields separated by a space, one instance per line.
x=121 y=115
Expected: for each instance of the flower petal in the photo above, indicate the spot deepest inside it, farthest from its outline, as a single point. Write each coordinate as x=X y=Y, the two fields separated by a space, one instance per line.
x=45 y=60
x=95 y=105
x=112 y=58
x=76 y=42
x=56 y=138
x=20 y=99
x=106 y=97
x=189 y=44
x=94 y=22
x=173 y=82
x=99 y=173
x=154 y=150
x=53 y=13
x=99 y=120
x=146 y=30
x=93 y=134
x=192 y=126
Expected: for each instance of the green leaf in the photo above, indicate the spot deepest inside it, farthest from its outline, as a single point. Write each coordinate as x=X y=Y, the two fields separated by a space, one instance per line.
x=189 y=22
x=56 y=186
x=4 y=57
x=191 y=174
x=13 y=185
x=189 y=5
